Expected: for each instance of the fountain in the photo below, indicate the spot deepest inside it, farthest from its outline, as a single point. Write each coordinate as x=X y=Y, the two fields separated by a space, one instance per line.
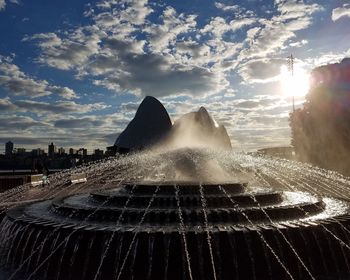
x=182 y=214
x=168 y=212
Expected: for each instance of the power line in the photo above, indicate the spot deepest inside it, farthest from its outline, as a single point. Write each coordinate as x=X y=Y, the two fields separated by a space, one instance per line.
x=290 y=64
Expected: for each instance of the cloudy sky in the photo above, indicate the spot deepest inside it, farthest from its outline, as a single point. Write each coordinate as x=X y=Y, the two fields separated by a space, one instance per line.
x=74 y=72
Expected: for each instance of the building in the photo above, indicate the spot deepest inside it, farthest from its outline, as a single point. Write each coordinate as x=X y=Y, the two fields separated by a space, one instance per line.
x=61 y=151
x=98 y=152
x=52 y=150
x=8 y=148
x=112 y=150
x=20 y=151
x=72 y=151
x=38 y=152
x=82 y=152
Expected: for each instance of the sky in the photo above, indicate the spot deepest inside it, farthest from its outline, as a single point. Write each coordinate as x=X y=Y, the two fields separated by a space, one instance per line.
x=74 y=72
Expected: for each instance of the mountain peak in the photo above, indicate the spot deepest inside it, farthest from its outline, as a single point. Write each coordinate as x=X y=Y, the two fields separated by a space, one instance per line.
x=150 y=124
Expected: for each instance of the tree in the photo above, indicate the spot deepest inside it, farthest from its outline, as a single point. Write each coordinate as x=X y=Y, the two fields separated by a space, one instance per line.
x=321 y=129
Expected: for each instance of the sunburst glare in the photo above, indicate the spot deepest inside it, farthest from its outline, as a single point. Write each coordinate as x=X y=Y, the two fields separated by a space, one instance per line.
x=296 y=84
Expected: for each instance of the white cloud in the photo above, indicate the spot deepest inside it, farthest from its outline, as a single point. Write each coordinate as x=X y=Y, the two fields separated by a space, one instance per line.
x=237 y=10
x=109 y=53
x=153 y=74
x=161 y=35
x=3 y=3
x=261 y=70
x=193 y=49
x=299 y=43
x=340 y=12
x=224 y=7
x=64 y=122
x=168 y=61
x=64 y=92
x=45 y=40
x=89 y=131
x=15 y=82
x=171 y=50
x=273 y=37
x=58 y=107
x=326 y=58
x=292 y=9
x=120 y=18
x=136 y=12
x=133 y=11
x=69 y=52
x=18 y=123
x=218 y=25
x=83 y=123
x=275 y=34
x=6 y=105
x=49 y=109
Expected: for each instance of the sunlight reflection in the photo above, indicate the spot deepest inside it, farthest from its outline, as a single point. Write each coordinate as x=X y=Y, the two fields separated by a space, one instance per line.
x=294 y=85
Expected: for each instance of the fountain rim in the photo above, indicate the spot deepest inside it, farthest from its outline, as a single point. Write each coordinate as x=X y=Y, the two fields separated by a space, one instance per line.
x=184 y=183
x=15 y=215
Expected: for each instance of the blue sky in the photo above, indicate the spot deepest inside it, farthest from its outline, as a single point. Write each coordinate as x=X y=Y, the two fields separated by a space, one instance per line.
x=73 y=72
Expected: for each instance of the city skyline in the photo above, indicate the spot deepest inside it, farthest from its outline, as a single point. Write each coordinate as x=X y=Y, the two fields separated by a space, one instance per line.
x=74 y=73
x=66 y=150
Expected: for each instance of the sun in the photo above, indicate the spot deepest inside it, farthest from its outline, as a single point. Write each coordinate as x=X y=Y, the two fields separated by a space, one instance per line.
x=294 y=85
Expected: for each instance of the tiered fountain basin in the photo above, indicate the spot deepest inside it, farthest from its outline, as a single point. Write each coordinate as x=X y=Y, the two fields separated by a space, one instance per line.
x=160 y=231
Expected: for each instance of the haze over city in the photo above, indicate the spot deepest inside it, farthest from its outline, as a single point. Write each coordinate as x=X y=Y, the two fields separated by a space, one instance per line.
x=74 y=73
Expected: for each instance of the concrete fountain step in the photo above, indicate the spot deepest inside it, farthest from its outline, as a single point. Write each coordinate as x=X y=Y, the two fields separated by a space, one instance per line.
x=52 y=224
x=118 y=198
x=220 y=209
x=73 y=234
x=223 y=208
x=191 y=215
x=185 y=188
